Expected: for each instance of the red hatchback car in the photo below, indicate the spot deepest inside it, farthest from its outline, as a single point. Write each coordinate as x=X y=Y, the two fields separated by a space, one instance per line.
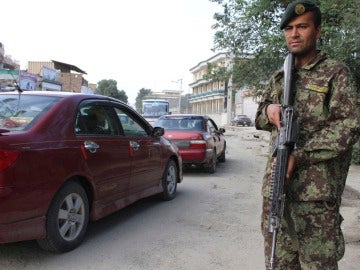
x=198 y=138
x=68 y=158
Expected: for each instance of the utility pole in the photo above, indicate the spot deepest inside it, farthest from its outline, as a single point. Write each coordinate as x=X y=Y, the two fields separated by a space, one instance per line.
x=180 y=91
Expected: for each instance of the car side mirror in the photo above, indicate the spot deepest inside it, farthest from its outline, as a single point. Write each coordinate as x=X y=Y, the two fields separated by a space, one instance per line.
x=158 y=131
x=221 y=130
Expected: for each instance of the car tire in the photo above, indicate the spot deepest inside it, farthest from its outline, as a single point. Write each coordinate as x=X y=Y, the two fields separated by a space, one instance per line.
x=211 y=166
x=169 y=181
x=67 y=219
x=222 y=157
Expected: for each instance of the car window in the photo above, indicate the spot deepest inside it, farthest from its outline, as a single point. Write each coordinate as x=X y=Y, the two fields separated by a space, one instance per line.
x=94 y=119
x=167 y=123
x=184 y=124
x=212 y=126
x=130 y=126
x=20 y=112
x=197 y=124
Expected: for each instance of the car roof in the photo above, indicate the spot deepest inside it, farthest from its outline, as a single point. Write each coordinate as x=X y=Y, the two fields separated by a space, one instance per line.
x=178 y=116
x=77 y=97
x=63 y=94
x=40 y=93
x=49 y=93
x=69 y=95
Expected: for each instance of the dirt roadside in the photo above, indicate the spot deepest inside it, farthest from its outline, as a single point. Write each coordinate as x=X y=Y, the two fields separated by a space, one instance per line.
x=350 y=209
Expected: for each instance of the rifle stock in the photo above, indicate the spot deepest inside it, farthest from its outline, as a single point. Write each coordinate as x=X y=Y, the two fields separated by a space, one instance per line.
x=284 y=144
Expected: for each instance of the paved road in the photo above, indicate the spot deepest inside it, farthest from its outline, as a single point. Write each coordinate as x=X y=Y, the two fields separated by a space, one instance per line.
x=213 y=223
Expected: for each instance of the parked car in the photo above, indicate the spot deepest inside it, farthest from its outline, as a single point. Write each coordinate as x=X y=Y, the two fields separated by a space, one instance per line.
x=241 y=120
x=198 y=138
x=68 y=158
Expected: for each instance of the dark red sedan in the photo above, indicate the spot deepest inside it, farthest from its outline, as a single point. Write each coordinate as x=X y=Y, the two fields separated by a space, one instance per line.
x=198 y=138
x=67 y=158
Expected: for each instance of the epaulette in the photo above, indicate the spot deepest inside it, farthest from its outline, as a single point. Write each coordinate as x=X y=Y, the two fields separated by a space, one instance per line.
x=278 y=74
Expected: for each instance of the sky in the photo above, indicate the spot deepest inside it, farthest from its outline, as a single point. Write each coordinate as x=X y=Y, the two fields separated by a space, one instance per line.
x=148 y=44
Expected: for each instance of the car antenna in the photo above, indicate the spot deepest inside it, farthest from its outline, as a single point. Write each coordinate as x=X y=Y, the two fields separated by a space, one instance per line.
x=17 y=84
x=17 y=87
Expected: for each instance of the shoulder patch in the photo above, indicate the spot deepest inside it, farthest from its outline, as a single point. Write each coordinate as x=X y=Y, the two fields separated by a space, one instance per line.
x=317 y=88
x=278 y=75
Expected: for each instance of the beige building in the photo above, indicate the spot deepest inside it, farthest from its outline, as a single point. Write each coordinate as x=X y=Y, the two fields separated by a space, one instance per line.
x=44 y=75
x=208 y=97
x=70 y=77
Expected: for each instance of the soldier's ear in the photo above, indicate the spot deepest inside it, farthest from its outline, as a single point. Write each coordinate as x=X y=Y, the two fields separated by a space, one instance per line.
x=318 y=32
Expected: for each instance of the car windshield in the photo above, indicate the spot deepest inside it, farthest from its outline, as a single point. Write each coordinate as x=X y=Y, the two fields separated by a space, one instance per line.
x=191 y=124
x=20 y=112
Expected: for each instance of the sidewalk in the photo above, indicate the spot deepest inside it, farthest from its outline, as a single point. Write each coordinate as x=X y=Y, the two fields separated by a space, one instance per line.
x=353 y=179
x=350 y=210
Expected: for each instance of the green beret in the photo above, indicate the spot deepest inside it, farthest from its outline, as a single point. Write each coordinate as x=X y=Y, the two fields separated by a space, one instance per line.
x=297 y=8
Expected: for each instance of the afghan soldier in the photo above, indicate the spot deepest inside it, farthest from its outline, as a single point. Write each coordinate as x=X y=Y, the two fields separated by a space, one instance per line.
x=325 y=99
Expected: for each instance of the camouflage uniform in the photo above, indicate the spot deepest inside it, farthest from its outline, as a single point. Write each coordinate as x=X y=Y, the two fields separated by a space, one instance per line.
x=325 y=100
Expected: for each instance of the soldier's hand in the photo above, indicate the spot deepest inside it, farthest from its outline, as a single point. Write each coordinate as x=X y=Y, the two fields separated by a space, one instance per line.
x=273 y=113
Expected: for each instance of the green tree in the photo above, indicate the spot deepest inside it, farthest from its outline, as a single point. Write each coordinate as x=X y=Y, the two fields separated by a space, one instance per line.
x=141 y=94
x=251 y=27
x=109 y=88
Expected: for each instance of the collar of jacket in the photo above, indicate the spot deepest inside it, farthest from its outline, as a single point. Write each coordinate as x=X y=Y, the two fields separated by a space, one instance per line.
x=318 y=58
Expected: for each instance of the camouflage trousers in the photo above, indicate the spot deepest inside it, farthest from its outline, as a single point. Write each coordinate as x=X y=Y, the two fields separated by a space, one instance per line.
x=310 y=236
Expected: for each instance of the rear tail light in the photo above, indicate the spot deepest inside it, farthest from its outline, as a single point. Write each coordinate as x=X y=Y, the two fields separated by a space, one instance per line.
x=7 y=157
x=200 y=144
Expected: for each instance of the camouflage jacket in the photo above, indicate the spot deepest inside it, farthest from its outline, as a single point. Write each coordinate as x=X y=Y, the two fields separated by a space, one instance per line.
x=326 y=100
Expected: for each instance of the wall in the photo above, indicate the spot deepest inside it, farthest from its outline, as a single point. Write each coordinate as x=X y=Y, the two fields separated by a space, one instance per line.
x=71 y=82
x=220 y=119
x=245 y=104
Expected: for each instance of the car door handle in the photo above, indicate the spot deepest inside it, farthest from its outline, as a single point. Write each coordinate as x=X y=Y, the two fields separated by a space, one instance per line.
x=134 y=145
x=91 y=146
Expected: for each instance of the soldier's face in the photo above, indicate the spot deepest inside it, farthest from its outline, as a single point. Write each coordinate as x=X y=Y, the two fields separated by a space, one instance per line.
x=301 y=35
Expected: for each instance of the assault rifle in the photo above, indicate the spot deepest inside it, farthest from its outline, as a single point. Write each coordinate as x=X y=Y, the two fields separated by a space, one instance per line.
x=284 y=144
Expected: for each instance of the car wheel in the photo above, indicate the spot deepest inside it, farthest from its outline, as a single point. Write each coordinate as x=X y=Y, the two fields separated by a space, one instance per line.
x=67 y=219
x=169 y=181
x=211 y=167
x=222 y=157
